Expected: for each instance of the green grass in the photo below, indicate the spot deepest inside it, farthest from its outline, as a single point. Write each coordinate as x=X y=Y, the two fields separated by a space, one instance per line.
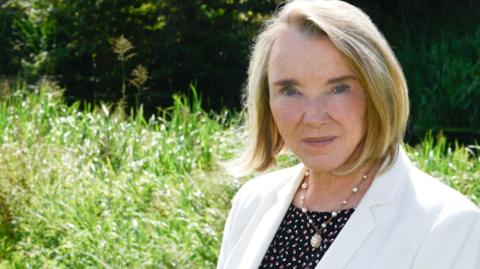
x=90 y=187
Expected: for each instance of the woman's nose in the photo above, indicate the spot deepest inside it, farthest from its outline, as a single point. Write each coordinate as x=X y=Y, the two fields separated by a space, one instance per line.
x=315 y=112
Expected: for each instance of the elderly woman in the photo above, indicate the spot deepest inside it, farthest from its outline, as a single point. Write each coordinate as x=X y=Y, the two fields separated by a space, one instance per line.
x=324 y=84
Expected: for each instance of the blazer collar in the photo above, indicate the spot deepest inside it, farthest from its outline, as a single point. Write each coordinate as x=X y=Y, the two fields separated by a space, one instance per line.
x=362 y=222
x=271 y=220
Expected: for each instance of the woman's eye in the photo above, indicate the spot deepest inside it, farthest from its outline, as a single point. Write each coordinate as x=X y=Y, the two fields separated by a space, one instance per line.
x=289 y=92
x=341 y=89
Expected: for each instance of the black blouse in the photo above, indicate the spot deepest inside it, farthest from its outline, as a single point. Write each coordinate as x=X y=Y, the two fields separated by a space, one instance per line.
x=290 y=247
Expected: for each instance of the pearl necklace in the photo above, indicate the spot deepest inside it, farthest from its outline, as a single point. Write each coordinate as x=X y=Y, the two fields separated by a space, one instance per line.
x=316 y=239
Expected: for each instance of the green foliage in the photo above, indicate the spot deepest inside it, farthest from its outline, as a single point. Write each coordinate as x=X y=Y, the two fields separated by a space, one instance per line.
x=456 y=165
x=444 y=81
x=8 y=41
x=207 y=43
x=441 y=60
x=99 y=189
x=94 y=188
x=178 y=41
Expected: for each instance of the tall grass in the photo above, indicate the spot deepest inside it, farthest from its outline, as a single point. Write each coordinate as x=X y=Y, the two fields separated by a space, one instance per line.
x=90 y=187
x=99 y=189
x=456 y=165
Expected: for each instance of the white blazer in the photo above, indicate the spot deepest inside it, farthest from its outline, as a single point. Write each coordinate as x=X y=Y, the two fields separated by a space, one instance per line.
x=407 y=219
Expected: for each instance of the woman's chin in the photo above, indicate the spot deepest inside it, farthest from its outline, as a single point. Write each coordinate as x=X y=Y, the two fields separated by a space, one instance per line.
x=322 y=166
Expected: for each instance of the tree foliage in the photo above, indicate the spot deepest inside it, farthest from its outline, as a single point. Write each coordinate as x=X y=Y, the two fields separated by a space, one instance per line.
x=180 y=42
x=207 y=43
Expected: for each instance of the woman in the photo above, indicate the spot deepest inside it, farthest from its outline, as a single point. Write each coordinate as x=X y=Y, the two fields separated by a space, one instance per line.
x=324 y=84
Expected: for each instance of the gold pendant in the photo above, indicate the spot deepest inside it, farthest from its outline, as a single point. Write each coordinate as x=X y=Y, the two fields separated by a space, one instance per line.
x=316 y=240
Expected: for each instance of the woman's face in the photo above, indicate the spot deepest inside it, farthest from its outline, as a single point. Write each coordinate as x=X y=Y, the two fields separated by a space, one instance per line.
x=317 y=103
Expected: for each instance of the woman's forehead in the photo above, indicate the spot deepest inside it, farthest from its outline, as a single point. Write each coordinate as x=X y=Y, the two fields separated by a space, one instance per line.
x=297 y=54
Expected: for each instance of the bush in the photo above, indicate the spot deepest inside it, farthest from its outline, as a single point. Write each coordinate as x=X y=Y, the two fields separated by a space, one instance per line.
x=180 y=42
x=9 y=41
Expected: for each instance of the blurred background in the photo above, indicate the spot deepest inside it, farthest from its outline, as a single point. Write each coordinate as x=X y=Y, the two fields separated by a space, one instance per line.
x=144 y=51
x=109 y=159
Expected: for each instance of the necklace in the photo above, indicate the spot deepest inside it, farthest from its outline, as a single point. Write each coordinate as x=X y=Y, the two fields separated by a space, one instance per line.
x=316 y=239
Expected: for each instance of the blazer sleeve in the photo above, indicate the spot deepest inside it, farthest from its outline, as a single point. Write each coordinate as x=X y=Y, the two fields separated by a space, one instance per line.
x=454 y=242
x=227 y=241
x=244 y=205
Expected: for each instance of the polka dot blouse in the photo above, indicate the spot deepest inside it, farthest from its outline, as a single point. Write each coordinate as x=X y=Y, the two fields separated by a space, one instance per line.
x=290 y=247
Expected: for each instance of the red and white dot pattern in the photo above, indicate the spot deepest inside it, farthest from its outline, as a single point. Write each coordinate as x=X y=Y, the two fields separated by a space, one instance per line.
x=290 y=247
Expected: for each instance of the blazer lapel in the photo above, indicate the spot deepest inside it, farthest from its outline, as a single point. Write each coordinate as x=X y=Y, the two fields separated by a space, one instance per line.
x=270 y=221
x=357 y=229
x=362 y=222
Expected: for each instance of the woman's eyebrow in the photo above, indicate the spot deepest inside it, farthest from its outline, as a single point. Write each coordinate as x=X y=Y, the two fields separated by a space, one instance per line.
x=340 y=79
x=286 y=82
x=292 y=82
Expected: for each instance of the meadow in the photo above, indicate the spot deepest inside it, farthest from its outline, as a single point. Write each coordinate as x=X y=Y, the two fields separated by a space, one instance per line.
x=92 y=186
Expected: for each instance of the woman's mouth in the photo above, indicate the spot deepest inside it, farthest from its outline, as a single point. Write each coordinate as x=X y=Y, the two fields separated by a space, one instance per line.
x=319 y=141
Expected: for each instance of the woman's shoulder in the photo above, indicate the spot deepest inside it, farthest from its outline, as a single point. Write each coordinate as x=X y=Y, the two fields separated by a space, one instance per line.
x=452 y=223
x=435 y=195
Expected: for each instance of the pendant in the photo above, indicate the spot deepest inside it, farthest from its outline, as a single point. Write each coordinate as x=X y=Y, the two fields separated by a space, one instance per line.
x=316 y=240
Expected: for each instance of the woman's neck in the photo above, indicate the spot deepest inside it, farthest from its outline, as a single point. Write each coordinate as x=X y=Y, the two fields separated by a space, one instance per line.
x=326 y=191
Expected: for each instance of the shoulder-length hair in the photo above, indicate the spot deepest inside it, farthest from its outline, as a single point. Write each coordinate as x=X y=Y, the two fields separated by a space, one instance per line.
x=366 y=52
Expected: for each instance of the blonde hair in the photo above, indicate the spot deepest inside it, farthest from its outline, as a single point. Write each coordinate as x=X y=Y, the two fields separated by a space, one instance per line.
x=366 y=52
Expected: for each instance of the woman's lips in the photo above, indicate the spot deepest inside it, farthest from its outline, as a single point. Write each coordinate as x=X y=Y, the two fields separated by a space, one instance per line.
x=319 y=141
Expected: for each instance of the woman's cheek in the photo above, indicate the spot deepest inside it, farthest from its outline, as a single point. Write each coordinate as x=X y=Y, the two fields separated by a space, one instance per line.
x=285 y=110
x=279 y=103
x=346 y=107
